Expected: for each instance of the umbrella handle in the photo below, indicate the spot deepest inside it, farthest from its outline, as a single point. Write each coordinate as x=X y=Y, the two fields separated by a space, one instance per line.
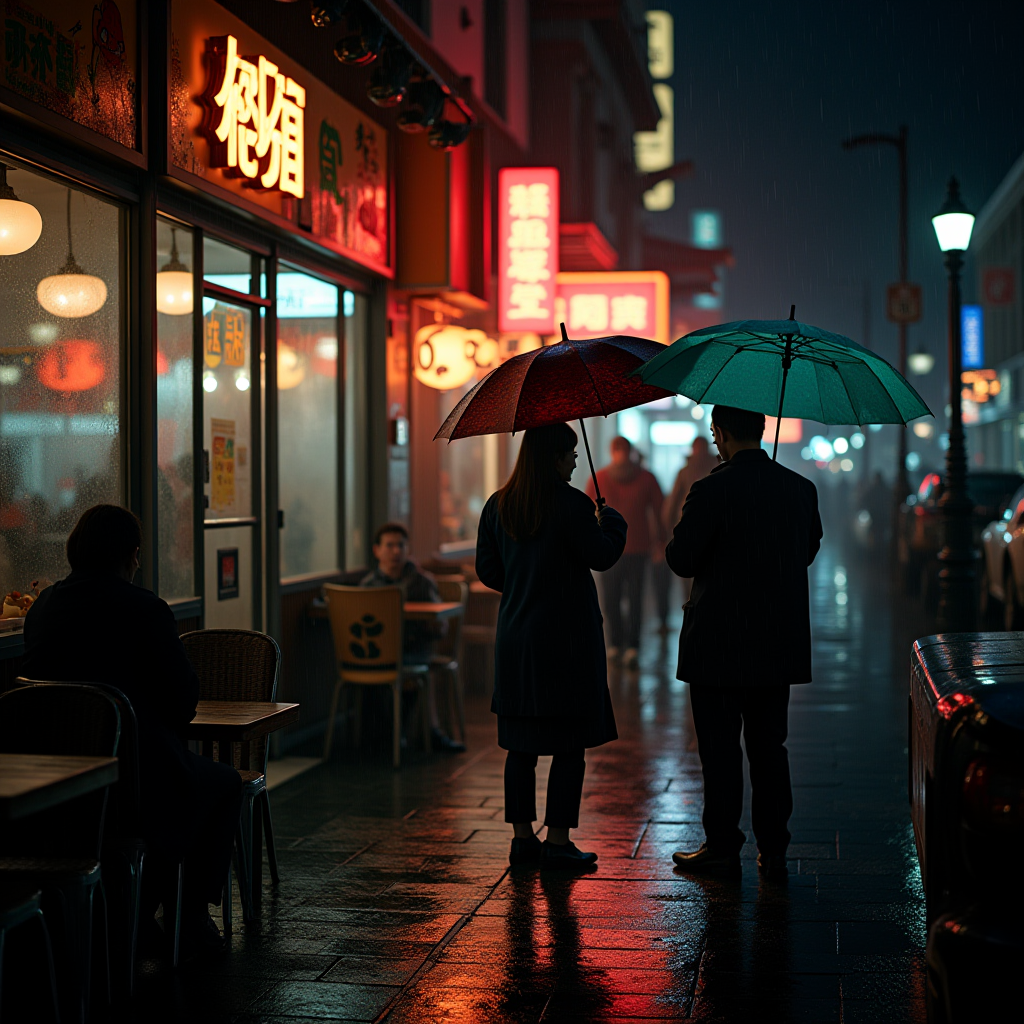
x=590 y=459
x=787 y=361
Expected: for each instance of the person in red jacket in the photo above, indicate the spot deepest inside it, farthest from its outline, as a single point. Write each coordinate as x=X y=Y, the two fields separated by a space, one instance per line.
x=635 y=493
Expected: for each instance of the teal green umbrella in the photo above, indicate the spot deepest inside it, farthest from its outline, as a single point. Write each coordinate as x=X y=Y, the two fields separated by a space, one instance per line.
x=785 y=368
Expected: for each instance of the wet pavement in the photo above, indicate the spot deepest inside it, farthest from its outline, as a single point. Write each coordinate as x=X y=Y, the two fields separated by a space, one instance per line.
x=397 y=903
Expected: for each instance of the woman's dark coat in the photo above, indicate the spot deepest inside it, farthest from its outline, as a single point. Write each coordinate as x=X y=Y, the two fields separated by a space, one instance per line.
x=549 y=653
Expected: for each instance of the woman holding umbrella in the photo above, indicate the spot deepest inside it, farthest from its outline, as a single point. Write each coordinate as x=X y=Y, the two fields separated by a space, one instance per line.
x=539 y=539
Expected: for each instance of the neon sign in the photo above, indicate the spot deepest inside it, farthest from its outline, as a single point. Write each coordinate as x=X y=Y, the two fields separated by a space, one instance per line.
x=527 y=248
x=614 y=302
x=254 y=119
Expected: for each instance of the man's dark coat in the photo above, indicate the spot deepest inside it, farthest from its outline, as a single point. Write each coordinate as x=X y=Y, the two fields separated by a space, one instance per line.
x=549 y=653
x=747 y=534
x=98 y=628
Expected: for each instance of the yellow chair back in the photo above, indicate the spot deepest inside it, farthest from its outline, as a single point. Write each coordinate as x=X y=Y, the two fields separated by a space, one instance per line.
x=366 y=623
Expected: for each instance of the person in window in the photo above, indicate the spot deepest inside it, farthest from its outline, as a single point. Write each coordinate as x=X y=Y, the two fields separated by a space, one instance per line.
x=190 y=804
x=396 y=569
x=538 y=541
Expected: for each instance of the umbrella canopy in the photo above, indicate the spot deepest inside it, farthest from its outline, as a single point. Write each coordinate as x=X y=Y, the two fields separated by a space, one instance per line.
x=786 y=368
x=567 y=381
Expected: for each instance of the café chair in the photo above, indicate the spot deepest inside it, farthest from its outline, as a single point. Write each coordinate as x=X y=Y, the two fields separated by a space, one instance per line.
x=58 y=850
x=242 y=665
x=446 y=662
x=481 y=630
x=367 y=624
x=21 y=904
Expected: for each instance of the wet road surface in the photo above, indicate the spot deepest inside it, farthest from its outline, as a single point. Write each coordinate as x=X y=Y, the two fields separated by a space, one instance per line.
x=397 y=904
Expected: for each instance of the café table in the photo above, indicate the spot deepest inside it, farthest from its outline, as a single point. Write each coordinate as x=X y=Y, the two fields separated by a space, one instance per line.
x=30 y=783
x=241 y=721
x=422 y=611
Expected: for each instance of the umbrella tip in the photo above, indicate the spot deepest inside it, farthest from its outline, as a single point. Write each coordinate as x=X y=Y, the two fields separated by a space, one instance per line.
x=792 y=312
x=565 y=337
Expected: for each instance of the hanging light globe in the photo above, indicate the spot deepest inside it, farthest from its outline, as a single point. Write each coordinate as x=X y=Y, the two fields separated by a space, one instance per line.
x=174 y=284
x=443 y=356
x=71 y=292
x=20 y=223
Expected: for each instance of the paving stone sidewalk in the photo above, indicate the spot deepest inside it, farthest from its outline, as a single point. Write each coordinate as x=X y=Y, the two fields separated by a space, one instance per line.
x=397 y=904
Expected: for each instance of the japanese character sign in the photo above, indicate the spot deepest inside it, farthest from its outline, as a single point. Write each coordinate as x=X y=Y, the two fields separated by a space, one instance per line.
x=527 y=248
x=614 y=302
x=255 y=117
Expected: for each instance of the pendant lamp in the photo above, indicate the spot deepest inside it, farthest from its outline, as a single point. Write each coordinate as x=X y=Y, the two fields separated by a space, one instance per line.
x=71 y=292
x=20 y=223
x=174 y=284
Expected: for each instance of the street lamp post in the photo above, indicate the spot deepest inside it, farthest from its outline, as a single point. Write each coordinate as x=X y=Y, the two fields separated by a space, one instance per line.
x=957 y=611
x=901 y=485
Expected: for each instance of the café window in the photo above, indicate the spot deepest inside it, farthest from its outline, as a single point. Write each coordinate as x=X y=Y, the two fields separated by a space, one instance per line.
x=174 y=382
x=307 y=387
x=60 y=371
x=355 y=309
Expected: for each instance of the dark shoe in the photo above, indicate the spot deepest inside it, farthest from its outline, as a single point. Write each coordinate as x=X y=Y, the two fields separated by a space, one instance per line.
x=706 y=861
x=567 y=855
x=201 y=937
x=772 y=866
x=443 y=744
x=525 y=851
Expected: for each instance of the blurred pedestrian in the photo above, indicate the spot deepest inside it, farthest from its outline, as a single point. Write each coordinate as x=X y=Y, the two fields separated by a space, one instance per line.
x=396 y=569
x=538 y=540
x=698 y=465
x=747 y=534
x=661 y=574
x=635 y=492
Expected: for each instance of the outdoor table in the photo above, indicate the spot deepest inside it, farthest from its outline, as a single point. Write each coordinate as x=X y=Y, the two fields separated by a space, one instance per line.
x=422 y=611
x=238 y=721
x=30 y=783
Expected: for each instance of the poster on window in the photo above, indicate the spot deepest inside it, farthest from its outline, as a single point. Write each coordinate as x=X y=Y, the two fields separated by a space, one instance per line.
x=222 y=470
x=227 y=574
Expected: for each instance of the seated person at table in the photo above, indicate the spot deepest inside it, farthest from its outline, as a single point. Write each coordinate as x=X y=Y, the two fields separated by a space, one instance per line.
x=96 y=626
x=395 y=569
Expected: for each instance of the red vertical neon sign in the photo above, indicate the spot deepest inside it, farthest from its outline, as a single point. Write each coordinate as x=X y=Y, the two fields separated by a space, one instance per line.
x=527 y=248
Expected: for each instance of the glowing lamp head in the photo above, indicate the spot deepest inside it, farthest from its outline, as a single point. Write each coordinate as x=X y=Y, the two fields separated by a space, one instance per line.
x=71 y=293
x=20 y=223
x=920 y=362
x=954 y=222
x=444 y=356
x=174 y=284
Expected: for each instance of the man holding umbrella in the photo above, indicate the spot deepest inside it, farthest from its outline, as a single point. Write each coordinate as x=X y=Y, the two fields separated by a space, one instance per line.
x=747 y=534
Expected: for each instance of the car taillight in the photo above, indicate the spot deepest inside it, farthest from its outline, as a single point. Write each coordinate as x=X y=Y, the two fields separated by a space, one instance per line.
x=993 y=798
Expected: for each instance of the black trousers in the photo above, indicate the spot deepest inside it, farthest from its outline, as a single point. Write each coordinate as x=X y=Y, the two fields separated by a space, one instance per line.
x=565 y=789
x=212 y=817
x=661 y=580
x=624 y=581
x=762 y=714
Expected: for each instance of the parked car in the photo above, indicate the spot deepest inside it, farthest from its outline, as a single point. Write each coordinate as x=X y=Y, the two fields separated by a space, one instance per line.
x=1002 y=566
x=967 y=806
x=920 y=537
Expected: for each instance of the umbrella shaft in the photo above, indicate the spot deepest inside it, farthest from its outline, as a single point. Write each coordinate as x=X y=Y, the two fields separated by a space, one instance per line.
x=590 y=459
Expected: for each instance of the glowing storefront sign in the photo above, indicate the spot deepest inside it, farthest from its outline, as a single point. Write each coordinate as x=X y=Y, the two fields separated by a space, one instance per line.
x=527 y=248
x=617 y=302
x=259 y=134
x=972 y=337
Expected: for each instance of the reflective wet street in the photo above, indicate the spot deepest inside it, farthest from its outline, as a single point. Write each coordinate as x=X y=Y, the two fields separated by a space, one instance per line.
x=397 y=903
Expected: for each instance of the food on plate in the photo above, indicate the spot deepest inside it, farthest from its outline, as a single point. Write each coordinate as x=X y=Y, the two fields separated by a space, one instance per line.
x=16 y=604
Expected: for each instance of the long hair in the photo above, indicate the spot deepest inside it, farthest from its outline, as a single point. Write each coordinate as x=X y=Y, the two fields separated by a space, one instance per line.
x=525 y=500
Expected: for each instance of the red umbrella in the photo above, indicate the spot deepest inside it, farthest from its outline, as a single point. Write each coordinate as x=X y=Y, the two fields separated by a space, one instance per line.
x=566 y=381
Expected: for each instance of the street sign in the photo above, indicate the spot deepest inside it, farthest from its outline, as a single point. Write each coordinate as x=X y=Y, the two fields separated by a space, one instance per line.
x=998 y=285
x=972 y=337
x=903 y=303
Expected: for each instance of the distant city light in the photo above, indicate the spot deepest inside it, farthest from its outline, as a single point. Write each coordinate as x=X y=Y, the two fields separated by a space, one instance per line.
x=822 y=449
x=874 y=427
x=913 y=461
x=846 y=465
x=697 y=412
x=841 y=445
x=857 y=440
x=807 y=453
x=923 y=429
x=666 y=432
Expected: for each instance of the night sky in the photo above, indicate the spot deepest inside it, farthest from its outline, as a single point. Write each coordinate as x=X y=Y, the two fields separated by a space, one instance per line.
x=765 y=94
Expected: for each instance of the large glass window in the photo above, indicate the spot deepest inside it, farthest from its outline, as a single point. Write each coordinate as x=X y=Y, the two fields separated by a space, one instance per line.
x=60 y=367
x=175 y=524
x=307 y=386
x=357 y=498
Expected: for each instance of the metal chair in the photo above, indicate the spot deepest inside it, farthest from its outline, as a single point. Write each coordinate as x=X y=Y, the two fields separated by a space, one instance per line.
x=241 y=664
x=21 y=904
x=367 y=624
x=58 y=850
x=446 y=662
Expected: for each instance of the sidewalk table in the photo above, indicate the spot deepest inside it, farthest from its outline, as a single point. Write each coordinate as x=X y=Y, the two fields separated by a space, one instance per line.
x=30 y=783
x=239 y=721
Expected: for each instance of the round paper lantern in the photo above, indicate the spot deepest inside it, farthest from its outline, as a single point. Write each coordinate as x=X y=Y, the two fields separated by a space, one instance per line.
x=71 y=293
x=72 y=366
x=291 y=367
x=20 y=223
x=444 y=356
x=174 y=284
x=485 y=349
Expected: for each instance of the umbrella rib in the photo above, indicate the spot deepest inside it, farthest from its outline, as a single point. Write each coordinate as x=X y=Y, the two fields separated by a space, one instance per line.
x=718 y=372
x=591 y=376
